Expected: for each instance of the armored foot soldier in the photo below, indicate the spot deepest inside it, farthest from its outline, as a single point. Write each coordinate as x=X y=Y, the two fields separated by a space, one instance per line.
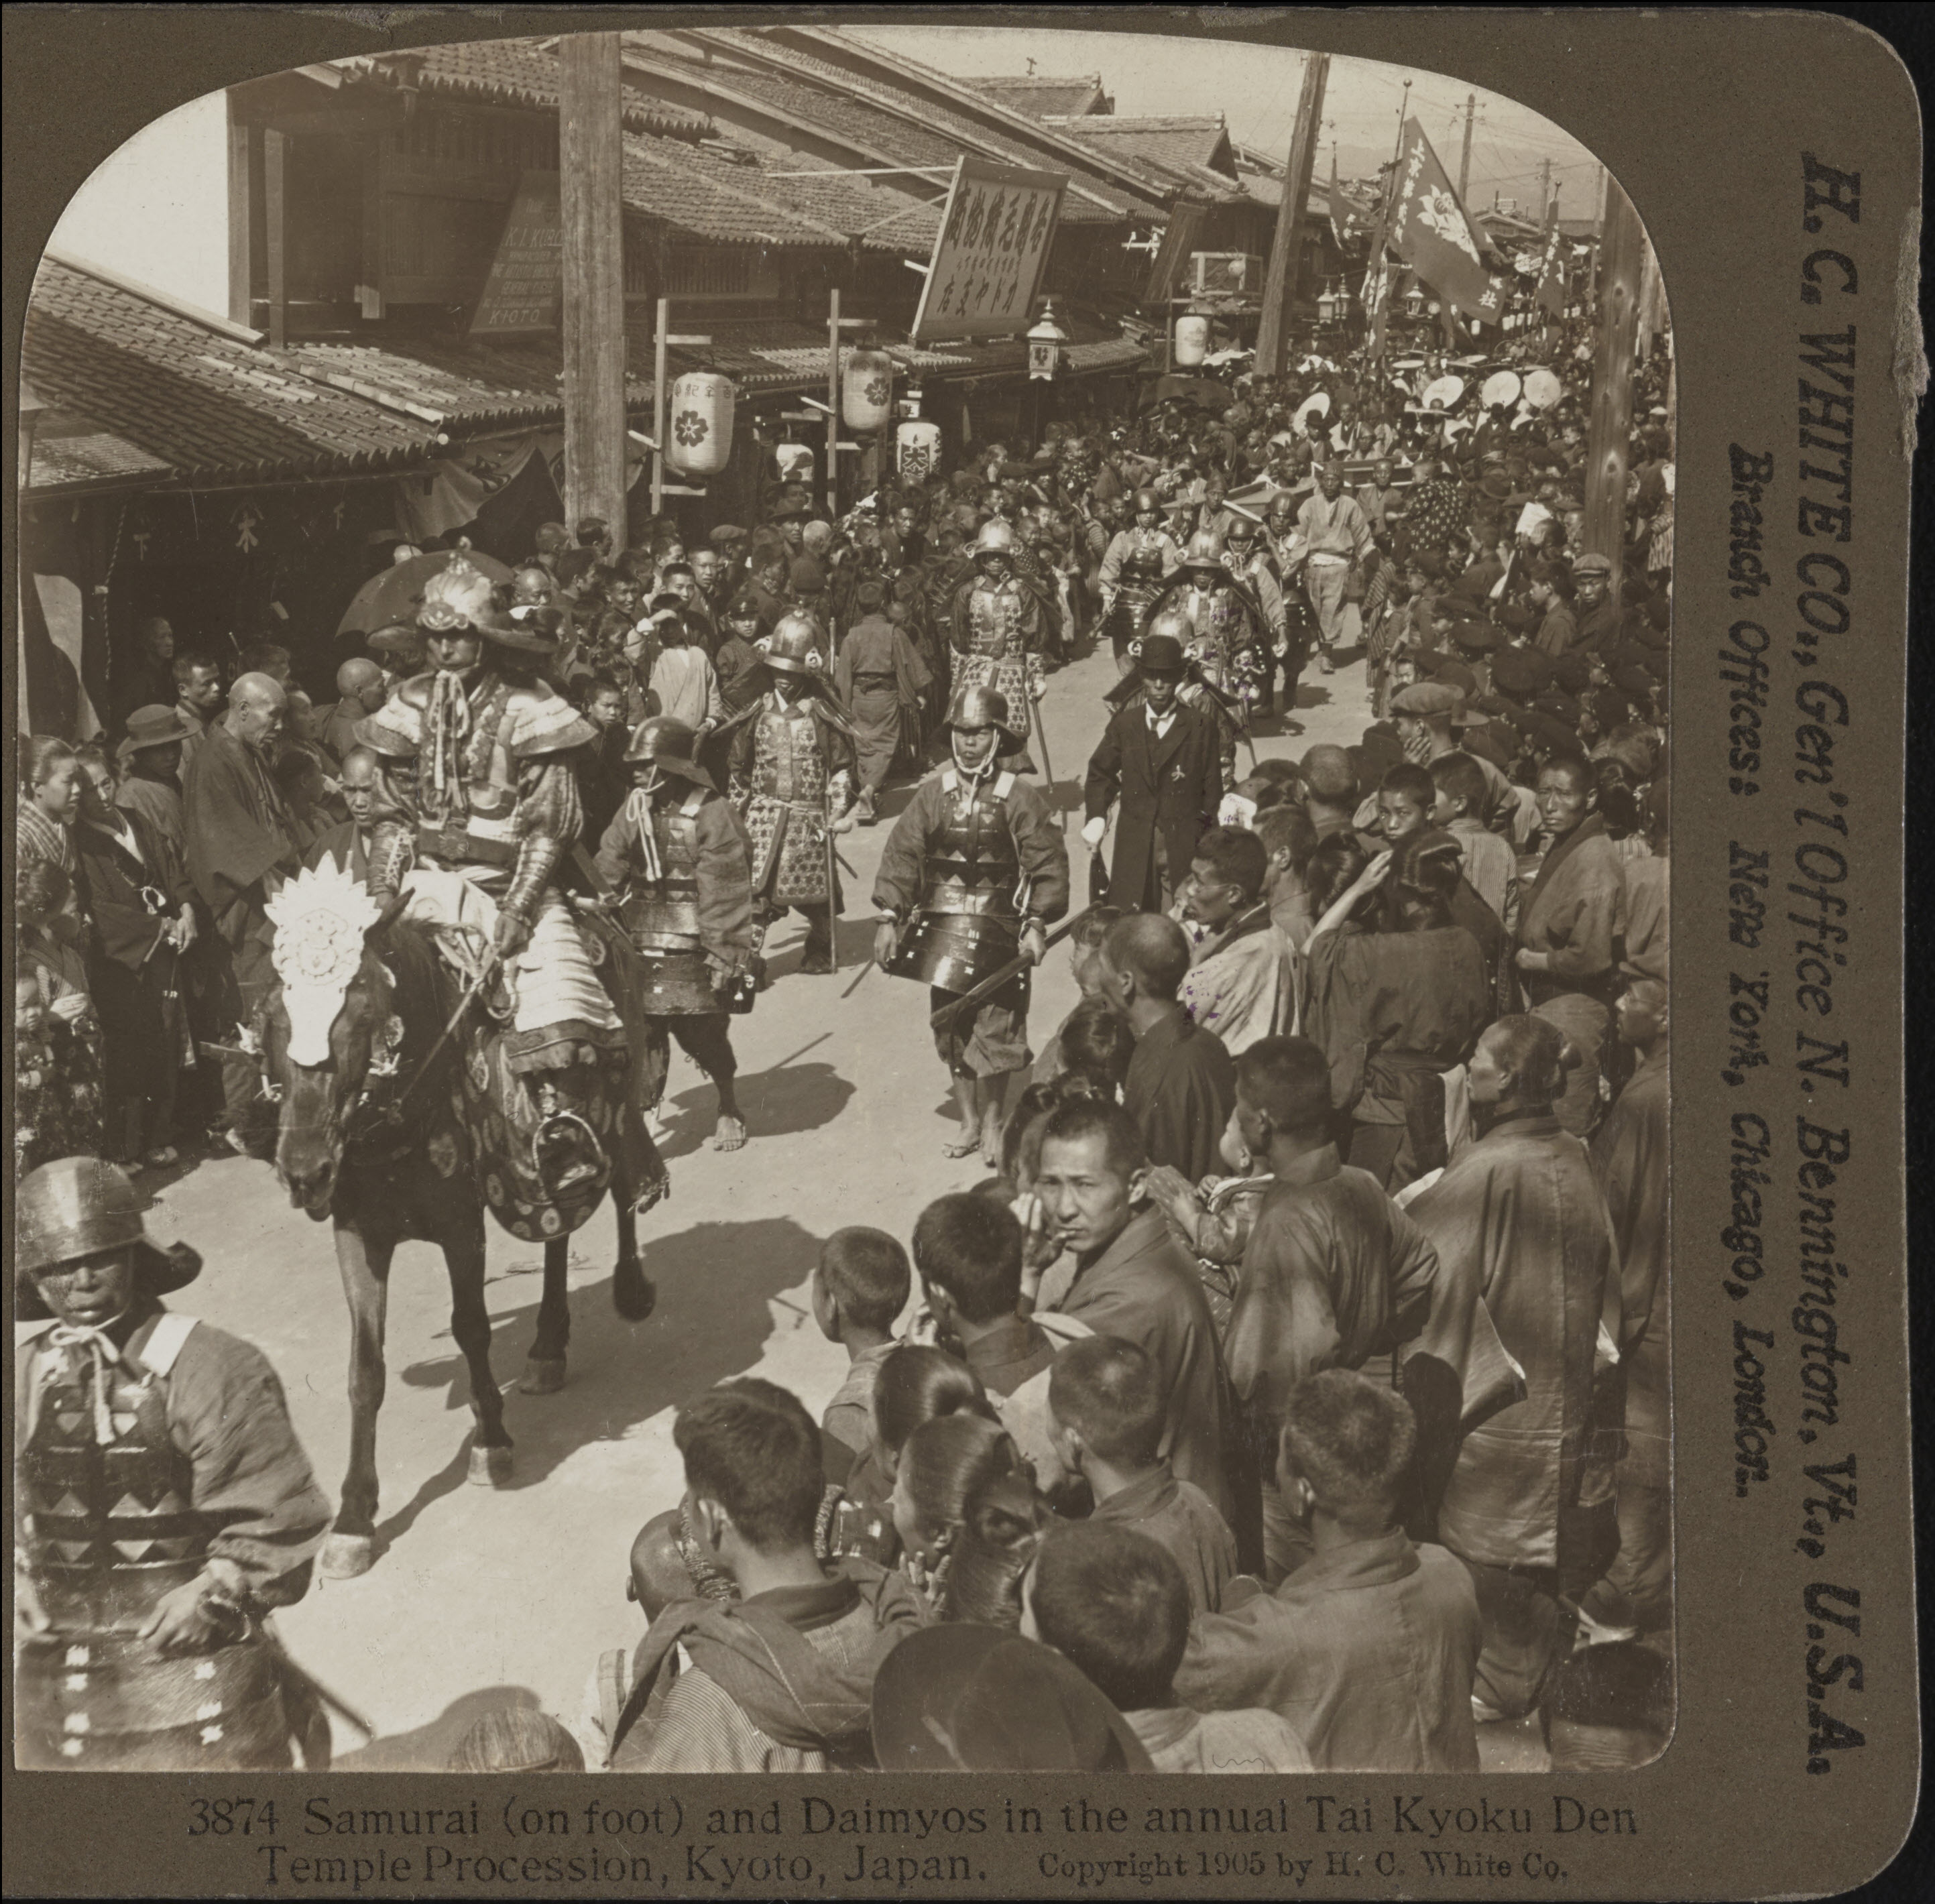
x=1229 y=636
x=163 y=1505
x=974 y=869
x=1137 y=563
x=480 y=800
x=676 y=851
x=792 y=778
x=997 y=637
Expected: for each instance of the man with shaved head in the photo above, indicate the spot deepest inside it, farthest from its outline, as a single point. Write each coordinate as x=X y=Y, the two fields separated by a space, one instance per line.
x=1181 y=1085
x=359 y=682
x=240 y=833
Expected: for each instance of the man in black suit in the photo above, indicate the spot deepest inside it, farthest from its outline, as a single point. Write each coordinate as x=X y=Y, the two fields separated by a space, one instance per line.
x=1162 y=760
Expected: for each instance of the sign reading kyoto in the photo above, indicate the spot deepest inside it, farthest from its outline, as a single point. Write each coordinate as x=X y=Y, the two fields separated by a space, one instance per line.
x=987 y=262
x=525 y=290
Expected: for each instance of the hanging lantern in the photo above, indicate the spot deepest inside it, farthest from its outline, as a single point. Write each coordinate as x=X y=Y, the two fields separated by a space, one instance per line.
x=867 y=390
x=917 y=449
x=698 y=422
x=1192 y=339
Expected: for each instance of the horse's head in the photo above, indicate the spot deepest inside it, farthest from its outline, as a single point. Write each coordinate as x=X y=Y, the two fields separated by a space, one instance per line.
x=327 y=1028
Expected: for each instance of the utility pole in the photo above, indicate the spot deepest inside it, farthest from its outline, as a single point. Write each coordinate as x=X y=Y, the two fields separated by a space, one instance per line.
x=1544 y=193
x=1623 y=264
x=1464 y=155
x=1280 y=281
x=590 y=157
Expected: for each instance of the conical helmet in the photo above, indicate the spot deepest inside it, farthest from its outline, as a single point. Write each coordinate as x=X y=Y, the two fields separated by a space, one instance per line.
x=75 y=1207
x=1205 y=550
x=997 y=537
x=795 y=647
x=975 y=707
x=670 y=743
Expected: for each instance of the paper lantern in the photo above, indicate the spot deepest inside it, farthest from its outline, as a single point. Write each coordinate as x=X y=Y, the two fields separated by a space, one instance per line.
x=867 y=390
x=699 y=423
x=1192 y=339
x=917 y=449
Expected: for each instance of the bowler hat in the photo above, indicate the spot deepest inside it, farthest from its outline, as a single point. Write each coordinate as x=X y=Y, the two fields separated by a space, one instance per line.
x=1160 y=654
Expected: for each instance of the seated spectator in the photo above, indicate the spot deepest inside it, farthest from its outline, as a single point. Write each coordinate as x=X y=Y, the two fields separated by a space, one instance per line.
x=782 y=1679
x=1105 y=1403
x=963 y=1495
x=1114 y=1603
x=1242 y=978
x=860 y=1286
x=1368 y=1648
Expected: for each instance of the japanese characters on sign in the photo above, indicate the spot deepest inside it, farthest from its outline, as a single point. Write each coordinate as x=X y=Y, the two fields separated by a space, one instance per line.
x=525 y=290
x=987 y=262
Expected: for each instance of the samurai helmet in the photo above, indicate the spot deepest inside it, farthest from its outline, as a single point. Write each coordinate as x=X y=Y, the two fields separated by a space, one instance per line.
x=78 y=1206
x=974 y=708
x=1147 y=502
x=670 y=746
x=460 y=596
x=795 y=647
x=997 y=537
x=1205 y=550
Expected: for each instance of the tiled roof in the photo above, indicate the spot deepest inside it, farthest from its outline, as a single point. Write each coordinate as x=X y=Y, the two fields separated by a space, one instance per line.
x=97 y=458
x=1170 y=154
x=1038 y=95
x=518 y=73
x=889 y=124
x=196 y=398
x=706 y=193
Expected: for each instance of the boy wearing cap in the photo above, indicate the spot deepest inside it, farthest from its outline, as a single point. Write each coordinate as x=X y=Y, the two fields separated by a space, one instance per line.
x=166 y=1504
x=1369 y=1649
x=1113 y=1603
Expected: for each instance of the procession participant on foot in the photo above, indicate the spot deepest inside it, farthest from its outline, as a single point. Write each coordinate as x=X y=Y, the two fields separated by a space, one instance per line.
x=880 y=676
x=677 y=853
x=165 y=1505
x=1247 y=555
x=792 y=778
x=1137 y=562
x=1331 y=535
x=1161 y=760
x=479 y=802
x=997 y=629
x=978 y=853
x=1228 y=645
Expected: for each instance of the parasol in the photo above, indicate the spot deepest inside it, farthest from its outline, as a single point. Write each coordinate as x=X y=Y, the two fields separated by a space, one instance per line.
x=1502 y=387
x=1542 y=389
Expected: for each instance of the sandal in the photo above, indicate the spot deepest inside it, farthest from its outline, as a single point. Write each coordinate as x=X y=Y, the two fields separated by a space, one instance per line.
x=954 y=1152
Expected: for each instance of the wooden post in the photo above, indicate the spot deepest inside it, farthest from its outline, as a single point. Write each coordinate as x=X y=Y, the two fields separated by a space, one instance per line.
x=1612 y=382
x=274 y=152
x=658 y=330
x=833 y=405
x=243 y=170
x=590 y=154
x=1280 y=281
x=1465 y=155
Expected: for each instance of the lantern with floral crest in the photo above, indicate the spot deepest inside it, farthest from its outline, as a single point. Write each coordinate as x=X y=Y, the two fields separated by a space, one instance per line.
x=866 y=389
x=698 y=422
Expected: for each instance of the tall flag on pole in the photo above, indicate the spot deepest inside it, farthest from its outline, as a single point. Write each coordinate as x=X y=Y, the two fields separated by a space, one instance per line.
x=1376 y=294
x=1340 y=217
x=1551 y=294
x=1430 y=231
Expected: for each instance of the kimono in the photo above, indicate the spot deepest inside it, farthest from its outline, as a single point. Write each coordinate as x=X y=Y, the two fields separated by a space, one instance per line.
x=1242 y=982
x=880 y=677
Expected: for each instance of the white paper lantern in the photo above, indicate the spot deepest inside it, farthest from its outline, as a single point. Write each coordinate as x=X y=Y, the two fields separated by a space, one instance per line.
x=1192 y=339
x=867 y=390
x=699 y=425
x=917 y=449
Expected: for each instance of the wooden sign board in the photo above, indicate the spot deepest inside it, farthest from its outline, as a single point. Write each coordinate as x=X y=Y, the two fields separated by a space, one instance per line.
x=987 y=262
x=525 y=290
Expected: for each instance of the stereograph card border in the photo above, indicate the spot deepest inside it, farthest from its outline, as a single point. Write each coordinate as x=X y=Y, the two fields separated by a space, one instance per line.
x=1707 y=120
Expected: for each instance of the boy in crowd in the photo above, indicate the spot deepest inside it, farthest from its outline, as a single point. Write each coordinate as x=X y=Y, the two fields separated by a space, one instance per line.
x=1084 y=958
x=1105 y=1402
x=780 y=1679
x=1490 y=865
x=860 y=1286
x=1114 y=1604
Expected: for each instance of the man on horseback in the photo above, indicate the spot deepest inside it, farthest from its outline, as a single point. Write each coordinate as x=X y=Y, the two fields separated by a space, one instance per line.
x=163 y=1503
x=481 y=801
x=1229 y=637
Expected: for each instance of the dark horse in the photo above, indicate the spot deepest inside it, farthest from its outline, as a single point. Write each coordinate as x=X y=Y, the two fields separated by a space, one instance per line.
x=380 y=1144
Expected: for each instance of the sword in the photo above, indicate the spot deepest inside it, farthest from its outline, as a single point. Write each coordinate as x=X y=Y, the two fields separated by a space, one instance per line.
x=832 y=859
